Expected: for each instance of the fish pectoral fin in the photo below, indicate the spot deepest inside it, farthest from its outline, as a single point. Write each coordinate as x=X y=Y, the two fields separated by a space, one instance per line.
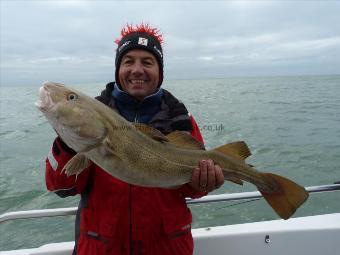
x=238 y=150
x=108 y=146
x=109 y=149
x=151 y=132
x=76 y=165
x=289 y=197
x=184 y=140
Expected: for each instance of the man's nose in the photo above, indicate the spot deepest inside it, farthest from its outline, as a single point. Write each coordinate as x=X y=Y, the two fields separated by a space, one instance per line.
x=137 y=68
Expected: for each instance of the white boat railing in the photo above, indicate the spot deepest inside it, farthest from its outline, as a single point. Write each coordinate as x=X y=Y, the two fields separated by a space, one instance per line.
x=207 y=199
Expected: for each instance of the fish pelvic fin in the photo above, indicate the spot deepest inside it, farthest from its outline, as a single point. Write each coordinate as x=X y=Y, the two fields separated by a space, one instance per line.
x=238 y=150
x=289 y=197
x=76 y=165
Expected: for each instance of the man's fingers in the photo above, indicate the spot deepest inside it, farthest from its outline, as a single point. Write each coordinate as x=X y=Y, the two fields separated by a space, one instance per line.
x=207 y=176
x=203 y=174
x=219 y=177
x=211 y=182
x=195 y=178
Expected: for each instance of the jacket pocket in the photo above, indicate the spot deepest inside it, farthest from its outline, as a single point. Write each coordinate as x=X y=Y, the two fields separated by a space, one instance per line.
x=103 y=224
x=176 y=223
x=98 y=233
x=92 y=243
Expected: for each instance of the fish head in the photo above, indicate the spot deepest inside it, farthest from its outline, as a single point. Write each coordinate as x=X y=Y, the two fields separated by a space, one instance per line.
x=73 y=115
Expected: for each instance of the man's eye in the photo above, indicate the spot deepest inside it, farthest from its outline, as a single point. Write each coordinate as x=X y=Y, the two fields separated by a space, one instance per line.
x=127 y=61
x=148 y=63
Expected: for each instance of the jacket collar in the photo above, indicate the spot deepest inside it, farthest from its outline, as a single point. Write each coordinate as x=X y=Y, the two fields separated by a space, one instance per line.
x=125 y=98
x=130 y=107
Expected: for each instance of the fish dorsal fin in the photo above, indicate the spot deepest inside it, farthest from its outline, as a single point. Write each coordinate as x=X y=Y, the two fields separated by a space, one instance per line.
x=237 y=150
x=184 y=140
x=151 y=132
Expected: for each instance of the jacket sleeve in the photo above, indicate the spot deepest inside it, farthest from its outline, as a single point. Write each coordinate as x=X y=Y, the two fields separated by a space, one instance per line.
x=58 y=182
x=186 y=189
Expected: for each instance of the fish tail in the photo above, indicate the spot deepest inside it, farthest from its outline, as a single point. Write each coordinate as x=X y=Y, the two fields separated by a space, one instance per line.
x=289 y=197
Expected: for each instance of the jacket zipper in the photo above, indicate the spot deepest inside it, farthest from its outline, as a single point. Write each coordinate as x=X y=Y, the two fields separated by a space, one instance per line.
x=130 y=221
x=136 y=120
x=96 y=236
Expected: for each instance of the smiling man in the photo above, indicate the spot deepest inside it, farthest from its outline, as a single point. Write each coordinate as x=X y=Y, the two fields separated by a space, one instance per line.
x=139 y=74
x=115 y=217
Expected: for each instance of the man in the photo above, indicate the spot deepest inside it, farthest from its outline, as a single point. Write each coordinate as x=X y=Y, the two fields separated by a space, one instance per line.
x=115 y=217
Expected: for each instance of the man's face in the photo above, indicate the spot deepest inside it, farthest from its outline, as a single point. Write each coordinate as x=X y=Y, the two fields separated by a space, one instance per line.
x=139 y=73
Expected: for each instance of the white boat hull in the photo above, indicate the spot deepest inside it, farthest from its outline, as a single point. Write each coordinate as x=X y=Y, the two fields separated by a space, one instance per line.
x=313 y=235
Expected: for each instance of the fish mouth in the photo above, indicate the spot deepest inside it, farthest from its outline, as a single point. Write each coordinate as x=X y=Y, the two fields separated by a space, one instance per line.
x=44 y=101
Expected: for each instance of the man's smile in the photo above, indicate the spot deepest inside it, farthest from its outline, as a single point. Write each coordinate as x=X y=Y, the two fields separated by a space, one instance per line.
x=135 y=81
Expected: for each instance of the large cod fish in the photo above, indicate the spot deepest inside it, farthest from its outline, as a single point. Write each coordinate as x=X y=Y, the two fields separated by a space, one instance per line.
x=141 y=155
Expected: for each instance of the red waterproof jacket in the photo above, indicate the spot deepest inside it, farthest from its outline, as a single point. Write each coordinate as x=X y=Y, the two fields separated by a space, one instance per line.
x=118 y=218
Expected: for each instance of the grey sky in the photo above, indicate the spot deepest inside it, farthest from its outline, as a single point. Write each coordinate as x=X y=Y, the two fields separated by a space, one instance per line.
x=73 y=41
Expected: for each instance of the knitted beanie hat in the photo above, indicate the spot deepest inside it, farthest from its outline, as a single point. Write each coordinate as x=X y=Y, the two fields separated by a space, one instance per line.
x=141 y=37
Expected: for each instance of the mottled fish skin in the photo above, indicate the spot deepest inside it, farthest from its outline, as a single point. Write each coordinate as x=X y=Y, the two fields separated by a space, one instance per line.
x=100 y=134
x=90 y=127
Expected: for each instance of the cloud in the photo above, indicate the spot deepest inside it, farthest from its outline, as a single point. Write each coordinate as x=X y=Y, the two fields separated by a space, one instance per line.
x=311 y=44
x=202 y=39
x=65 y=4
x=206 y=58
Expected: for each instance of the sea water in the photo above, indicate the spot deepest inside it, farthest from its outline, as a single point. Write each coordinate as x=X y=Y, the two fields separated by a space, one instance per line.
x=291 y=125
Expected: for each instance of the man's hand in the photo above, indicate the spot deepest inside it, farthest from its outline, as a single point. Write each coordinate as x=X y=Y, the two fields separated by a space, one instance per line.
x=207 y=176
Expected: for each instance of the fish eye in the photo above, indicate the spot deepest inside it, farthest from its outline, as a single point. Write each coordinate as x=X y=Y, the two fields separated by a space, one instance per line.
x=72 y=96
